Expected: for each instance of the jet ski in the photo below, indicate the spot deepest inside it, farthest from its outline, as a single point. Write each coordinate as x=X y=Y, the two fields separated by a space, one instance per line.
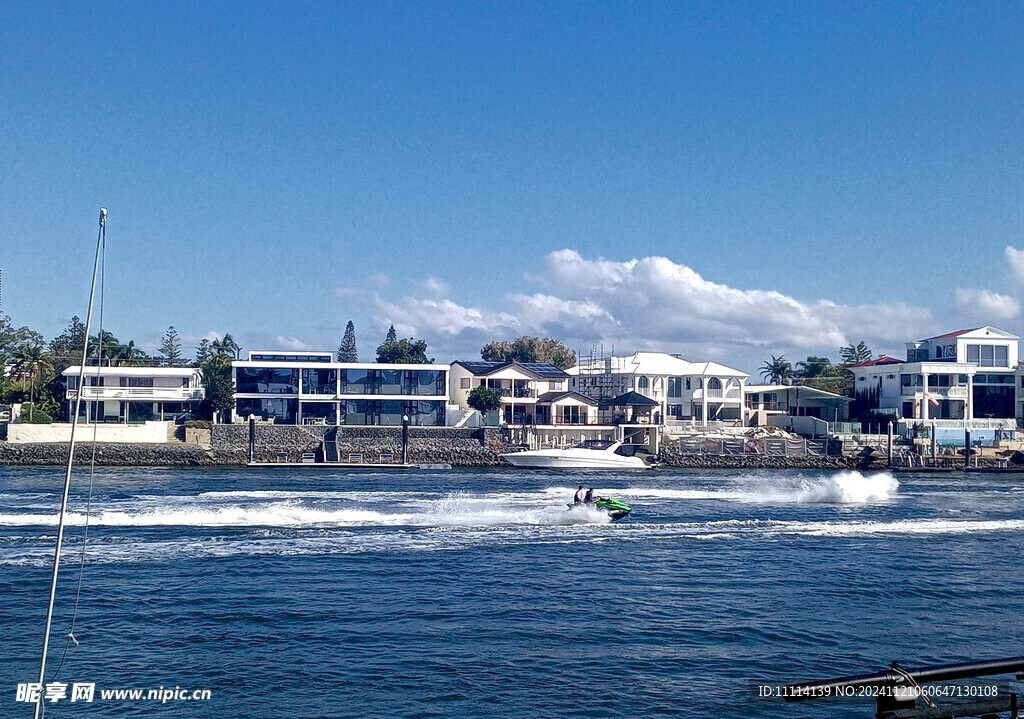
x=615 y=508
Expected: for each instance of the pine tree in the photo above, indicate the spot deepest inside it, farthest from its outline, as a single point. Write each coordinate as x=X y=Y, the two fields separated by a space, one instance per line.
x=170 y=348
x=392 y=336
x=347 y=351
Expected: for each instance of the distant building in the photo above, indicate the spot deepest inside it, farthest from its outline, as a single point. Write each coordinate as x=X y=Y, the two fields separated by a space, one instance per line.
x=698 y=391
x=129 y=395
x=964 y=375
x=311 y=388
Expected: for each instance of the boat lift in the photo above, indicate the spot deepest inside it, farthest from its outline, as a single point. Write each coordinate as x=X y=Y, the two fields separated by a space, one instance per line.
x=897 y=690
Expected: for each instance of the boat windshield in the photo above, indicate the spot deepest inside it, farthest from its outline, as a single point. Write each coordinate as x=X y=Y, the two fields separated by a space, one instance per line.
x=599 y=444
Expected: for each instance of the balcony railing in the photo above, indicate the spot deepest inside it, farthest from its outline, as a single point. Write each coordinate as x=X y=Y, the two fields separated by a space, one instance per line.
x=954 y=392
x=140 y=394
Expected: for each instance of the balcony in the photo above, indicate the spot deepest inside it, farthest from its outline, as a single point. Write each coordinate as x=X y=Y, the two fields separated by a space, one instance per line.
x=958 y=392
x=140 y=394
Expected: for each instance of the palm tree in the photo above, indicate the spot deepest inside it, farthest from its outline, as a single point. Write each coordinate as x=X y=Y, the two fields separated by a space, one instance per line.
x=131 y=356
x=32 y=363
x=777 y=371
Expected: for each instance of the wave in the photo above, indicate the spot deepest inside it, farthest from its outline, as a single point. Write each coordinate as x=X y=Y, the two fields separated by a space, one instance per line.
x=846 y=487
x=452 y=511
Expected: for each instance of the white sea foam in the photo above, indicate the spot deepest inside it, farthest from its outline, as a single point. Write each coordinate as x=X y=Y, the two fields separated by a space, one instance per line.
x=847 y=487
x=452 y=511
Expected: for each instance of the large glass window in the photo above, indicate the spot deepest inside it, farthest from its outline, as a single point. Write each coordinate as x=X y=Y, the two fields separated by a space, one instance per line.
x=318 y=412
x=319 y=381
x=355 y=381
x=266 y=380
x=280 y=409
x=425 y=382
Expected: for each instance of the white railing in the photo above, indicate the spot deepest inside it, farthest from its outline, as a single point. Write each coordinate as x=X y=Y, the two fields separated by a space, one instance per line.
x=140 y=394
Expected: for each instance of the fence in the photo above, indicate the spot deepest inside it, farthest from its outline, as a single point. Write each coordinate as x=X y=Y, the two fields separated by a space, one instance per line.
x=767 y=447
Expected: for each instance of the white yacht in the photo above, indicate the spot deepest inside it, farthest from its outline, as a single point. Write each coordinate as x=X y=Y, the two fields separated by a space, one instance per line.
x=592 y=454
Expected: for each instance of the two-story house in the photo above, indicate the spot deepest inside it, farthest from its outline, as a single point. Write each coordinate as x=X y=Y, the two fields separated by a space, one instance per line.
x=699 y=391
x=129 y=395
x=965 y=375
x=311 y=388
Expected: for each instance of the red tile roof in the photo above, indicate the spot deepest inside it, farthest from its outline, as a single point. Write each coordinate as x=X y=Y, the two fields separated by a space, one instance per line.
x=951 y=334
x=880 y=360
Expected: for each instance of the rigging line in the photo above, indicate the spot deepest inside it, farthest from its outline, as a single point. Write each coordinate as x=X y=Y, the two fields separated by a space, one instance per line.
x=67 y=473
x=92 y=466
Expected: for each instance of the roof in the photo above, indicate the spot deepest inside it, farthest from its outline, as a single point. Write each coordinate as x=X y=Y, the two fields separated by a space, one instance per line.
x=656 y=363
x=630 y=399
x=558 y=396
x=880 y=360
x=132 y=371
x=541 y=370
x=988 y=330
x=804 y=391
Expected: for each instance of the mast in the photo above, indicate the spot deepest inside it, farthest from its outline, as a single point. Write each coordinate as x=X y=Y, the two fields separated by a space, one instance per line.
x=100 y=242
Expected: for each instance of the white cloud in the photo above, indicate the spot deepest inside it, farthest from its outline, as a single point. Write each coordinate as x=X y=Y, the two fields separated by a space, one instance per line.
x=291 y=343
x=986 y=305
x=650 y=303
x=378 y=281
x=1015 y=259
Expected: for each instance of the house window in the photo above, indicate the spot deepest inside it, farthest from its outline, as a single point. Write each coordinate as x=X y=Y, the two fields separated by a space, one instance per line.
x=890 y=376
x=465 y=382
x=675 y=388
x=687 y=383
x=643 y=384
x=906 y=380
x=714 y=383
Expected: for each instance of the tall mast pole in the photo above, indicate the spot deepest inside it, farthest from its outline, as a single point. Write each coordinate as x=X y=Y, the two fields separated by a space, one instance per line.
x=100 y=241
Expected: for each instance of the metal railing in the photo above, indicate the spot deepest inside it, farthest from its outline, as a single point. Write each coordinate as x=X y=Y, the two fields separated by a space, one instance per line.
x=743 y=445
x=156 y=394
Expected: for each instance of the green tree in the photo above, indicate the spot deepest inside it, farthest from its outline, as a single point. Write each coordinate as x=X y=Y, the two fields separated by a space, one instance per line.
x=392 y=336
x=410 y=351
x=170 y=349
x=347 y=351
x=204 y=351
x=220 y=387
x=777 y=370
x=530 y=349
x=104 y=349
x=31 y=363
x=131 y=356
x=813 y=367
x=226 y=347
x=484 y=400
x=855 y=354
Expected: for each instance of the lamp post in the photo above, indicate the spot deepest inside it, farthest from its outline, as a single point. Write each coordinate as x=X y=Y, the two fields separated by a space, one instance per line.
x=405 y=439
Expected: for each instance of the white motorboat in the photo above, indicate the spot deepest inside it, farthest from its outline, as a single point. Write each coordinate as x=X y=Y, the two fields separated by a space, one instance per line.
x=592 y=454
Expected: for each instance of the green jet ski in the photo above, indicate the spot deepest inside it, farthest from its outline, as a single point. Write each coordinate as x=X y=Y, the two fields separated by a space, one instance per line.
x=615 y=508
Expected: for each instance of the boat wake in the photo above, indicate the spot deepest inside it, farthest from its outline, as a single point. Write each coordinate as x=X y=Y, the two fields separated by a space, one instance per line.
x=847 y=487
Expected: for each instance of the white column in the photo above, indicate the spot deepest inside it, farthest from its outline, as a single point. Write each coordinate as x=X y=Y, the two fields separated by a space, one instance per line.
x=969 y=413
x=924 y=397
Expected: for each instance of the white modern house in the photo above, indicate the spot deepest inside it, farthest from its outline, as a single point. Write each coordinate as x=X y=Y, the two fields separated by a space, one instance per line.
x=968 y=375
x=311 y=388
x=701 y=392
x=131 y=395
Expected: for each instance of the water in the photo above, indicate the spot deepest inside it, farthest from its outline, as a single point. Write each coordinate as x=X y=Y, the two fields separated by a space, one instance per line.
x=474 y=593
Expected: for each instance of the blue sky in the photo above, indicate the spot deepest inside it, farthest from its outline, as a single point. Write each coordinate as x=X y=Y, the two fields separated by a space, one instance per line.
x=812 y=174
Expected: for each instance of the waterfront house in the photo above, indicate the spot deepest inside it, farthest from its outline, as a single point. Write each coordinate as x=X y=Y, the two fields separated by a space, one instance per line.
x=526 y=388
x=777 y=405
x=311 y=388
x=698 y=392
x=131 y=395
x=969 y=376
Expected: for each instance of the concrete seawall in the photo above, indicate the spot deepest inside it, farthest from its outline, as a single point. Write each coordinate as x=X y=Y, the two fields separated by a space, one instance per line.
x=228 y=445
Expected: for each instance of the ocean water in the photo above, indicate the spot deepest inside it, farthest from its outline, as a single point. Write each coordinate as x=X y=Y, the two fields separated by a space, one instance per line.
x=476 y=593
